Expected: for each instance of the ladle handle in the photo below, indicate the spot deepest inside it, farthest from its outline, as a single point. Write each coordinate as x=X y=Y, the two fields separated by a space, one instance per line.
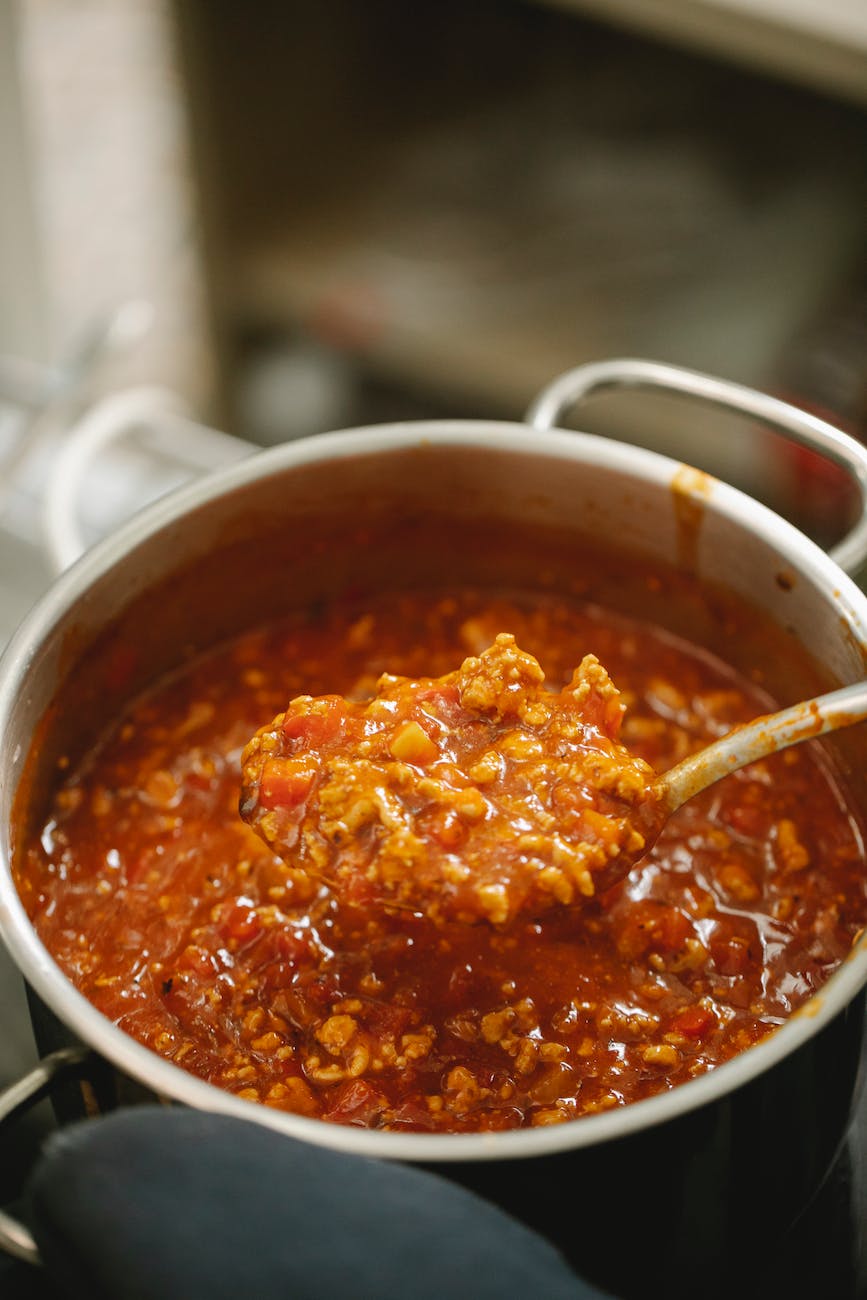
x=576 y=385
x=762 y=737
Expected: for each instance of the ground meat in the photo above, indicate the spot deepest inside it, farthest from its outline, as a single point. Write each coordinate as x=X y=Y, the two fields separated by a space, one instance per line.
x=184 y=928
x=478 y=794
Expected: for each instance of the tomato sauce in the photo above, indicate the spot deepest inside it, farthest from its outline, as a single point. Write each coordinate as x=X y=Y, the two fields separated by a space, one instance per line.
x=181 y=925
x=479 y=795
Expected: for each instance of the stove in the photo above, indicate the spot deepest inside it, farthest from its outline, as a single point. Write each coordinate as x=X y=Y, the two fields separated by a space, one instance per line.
x=822 y=1257
x=824 y=1254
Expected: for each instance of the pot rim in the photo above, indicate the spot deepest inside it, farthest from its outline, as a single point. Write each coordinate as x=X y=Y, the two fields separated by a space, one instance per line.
x=171 y=1081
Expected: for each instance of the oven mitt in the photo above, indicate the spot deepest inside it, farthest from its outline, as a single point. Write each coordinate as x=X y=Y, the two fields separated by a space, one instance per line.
x=157 y=1204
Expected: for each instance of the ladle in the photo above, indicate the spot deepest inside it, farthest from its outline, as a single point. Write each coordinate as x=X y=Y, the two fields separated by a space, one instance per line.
x=759 y=739
x=446 y=822
x=745 y=744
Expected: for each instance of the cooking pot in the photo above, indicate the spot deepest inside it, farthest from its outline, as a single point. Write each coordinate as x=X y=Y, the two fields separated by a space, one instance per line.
x=670 y=1194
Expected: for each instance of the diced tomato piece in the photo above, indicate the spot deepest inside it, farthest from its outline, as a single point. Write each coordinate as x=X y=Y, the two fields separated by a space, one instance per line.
x=652 y=927
x=730 y=956
x=673 y=930
x=196 y=959
x=281 y=953
x=412 y=1115
x=747 y=820
x=356 y=1102
x=286 y=782
x=320 y=990
x=385 y=1020
x=291 y=945
x=442 y=701
x=321 y=723
x=241 y=922
x=693 y=1022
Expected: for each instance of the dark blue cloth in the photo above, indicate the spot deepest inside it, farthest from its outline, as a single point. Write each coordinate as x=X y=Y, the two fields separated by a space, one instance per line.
x=154 y=1204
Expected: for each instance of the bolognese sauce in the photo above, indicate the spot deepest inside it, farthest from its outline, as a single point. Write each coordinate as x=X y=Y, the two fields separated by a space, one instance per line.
x=186 y=929
x=476 y=795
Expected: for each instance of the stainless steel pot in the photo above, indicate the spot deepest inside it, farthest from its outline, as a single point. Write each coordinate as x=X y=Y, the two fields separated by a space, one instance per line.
x=731 y=1153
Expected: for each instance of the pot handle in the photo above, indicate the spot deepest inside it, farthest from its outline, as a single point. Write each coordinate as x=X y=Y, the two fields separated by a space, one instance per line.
x=70 y=1062
x=808 y=430
x=172 y=433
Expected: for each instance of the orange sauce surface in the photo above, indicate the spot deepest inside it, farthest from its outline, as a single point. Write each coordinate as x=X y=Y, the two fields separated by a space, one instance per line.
x=184 y=928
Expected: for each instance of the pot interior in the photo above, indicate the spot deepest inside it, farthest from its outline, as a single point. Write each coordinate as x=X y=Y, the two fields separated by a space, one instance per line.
x=611 y=525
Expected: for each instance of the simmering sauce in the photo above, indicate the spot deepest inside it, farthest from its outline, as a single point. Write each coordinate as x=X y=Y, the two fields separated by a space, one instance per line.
x=181 y=925
x=477 y=795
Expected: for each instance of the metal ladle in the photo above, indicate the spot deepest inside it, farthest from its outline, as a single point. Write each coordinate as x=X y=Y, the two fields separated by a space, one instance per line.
x=759 y=739
x=743 y=745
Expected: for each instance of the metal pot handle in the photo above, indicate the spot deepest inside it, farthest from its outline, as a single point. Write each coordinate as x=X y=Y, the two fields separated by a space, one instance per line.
x=172 y=433
x=70 y=1062
x=597 y=376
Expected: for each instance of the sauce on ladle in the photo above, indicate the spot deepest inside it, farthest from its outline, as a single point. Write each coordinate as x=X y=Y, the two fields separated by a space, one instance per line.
x=481 y=795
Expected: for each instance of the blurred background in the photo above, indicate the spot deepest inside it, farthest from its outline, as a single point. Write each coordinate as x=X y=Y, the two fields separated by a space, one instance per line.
x=299 y=217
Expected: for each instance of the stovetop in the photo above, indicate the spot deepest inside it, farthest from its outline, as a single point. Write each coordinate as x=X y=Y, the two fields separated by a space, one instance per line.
x=822 y=1257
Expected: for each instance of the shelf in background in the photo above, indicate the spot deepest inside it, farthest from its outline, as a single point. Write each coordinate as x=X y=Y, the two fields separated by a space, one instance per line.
x=481 y=257
x=433 y=210
x=816 y=43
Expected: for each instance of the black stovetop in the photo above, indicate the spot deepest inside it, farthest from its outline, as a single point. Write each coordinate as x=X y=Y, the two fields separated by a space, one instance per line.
x=824 y=1255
